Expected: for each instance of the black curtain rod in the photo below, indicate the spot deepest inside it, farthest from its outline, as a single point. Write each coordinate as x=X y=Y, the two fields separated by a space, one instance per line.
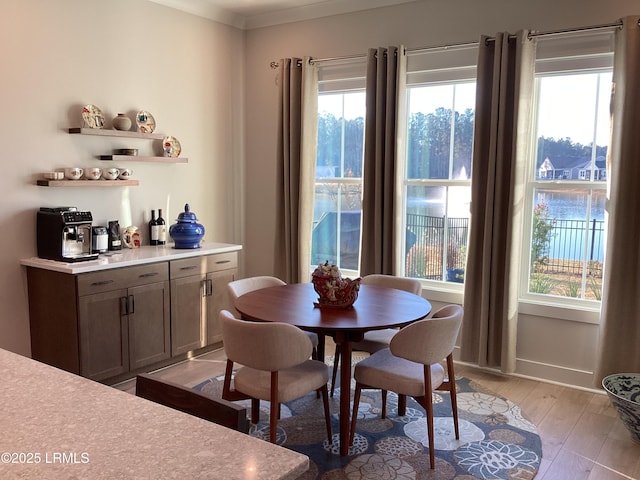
x=531 y=34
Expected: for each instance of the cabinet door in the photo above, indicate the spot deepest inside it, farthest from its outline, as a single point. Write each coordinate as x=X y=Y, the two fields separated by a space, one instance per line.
x=217 y=300
x=104 y=342
x=149 y=335
x=188 y=314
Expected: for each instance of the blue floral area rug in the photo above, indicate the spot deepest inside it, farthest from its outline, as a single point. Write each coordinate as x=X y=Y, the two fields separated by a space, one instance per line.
x=496 y=441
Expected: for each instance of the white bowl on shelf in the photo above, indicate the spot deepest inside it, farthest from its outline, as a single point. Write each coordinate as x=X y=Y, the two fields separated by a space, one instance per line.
x=54 y=175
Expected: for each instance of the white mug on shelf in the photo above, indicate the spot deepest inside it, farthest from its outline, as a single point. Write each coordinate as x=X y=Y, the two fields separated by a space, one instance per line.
x=93 y=173
x=125 y=173
x=73 y=173
x=110 y=173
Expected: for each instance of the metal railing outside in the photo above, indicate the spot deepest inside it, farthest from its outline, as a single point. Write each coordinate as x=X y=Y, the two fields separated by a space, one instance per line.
x=569 y=243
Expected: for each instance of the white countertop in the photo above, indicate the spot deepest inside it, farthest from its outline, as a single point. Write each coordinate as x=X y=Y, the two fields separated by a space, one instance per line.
x=130 y=256
x=57 y=425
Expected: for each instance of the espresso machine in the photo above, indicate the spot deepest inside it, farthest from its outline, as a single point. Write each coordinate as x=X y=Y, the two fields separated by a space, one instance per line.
x=64 y=234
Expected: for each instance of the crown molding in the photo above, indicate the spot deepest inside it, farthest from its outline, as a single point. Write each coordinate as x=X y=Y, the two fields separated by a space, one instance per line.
x=207 y=9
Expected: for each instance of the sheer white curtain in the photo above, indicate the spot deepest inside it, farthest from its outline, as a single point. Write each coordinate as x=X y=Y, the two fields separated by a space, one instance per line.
x=296 y=157
x=502 y=129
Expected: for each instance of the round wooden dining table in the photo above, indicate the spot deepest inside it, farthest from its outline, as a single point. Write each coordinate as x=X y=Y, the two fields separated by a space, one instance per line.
x=376 y=308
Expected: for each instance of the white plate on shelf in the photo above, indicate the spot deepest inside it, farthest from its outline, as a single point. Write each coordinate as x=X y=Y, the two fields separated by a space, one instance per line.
x=171 y=146
x=92 y=116
x=145 y=122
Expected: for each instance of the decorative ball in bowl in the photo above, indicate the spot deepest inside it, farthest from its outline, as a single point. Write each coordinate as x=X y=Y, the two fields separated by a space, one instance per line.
x=624 y=392
x=333 y=290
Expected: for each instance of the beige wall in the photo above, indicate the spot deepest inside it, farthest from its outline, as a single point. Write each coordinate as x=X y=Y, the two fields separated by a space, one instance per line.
x=122 y=55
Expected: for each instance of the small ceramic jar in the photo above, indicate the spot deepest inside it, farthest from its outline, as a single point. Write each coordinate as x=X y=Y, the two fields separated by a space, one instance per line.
x=121 y=122
x=187 y=233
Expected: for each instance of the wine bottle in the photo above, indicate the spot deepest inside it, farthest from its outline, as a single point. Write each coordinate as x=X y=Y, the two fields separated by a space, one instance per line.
x=153 y=229
x=162 y=228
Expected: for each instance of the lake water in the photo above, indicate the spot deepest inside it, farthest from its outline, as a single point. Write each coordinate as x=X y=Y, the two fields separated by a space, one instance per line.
x=570 y=239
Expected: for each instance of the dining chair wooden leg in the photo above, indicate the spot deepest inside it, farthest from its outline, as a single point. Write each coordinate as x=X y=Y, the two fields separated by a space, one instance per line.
x=255 y=411
x=428 y=406
x=274 y=408
x=383 y=413
x=402 y=405
x=336 y=361
x=453 y=393
x=354 y=417
x=327 y=413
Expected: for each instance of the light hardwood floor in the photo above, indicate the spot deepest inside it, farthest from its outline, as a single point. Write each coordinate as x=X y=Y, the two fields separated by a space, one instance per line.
x=582 y=437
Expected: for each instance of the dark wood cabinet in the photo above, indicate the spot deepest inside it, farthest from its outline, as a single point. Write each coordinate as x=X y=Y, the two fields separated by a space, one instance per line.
x=104 y=334
x=198 y=293
x=113 y=323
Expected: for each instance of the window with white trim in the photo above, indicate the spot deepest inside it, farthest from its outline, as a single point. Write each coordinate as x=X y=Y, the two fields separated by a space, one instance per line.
x=339 y=163
x=565 y=185
x=436 y=169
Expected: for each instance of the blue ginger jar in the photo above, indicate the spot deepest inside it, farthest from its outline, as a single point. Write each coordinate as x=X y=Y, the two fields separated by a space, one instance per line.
x=187 y=233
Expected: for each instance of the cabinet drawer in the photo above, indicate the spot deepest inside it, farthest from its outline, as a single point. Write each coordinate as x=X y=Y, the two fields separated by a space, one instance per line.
x=126 y=277
x=201 y=265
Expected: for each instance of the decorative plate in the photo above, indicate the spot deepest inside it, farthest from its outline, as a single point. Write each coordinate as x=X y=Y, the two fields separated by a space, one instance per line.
x=171 y=146
x=92 y=116
x=145 y=121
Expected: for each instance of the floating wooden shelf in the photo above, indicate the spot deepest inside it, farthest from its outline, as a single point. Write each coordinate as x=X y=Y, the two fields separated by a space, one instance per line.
x=88 y=183
x=136 y=158
x=116 y=133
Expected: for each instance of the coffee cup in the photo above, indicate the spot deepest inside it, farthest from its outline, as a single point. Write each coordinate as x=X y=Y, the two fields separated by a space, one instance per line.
x=93 y=173
x=125 y=173
x=73 y=173
x=131 y=237
x=110 y=173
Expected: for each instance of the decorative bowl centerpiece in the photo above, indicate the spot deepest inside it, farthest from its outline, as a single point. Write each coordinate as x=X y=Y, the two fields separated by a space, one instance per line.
x=333 y=290
x=624 y=392
x=187 y=233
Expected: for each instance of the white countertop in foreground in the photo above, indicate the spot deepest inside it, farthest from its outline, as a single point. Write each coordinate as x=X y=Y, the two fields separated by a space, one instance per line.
x=130 y=256
x=69 y=427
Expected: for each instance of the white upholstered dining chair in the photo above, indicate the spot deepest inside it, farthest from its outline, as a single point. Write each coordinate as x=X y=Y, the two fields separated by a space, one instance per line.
x=246 y=285
x=275 y=367
x=375 y=340
x=411 y=366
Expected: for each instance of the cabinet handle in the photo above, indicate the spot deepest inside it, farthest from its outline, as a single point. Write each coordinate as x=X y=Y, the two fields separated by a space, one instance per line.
x=189 y=268
x=132 y=305
x=124 y=307
x=150 y=274
x=103 y=282
x=220 y=262
x=209 y=287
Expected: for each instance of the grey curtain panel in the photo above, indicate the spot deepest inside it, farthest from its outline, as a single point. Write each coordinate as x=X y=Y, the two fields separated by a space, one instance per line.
x=297 y=138
x=503 y=99
x=376 y=254
x=619 y=350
